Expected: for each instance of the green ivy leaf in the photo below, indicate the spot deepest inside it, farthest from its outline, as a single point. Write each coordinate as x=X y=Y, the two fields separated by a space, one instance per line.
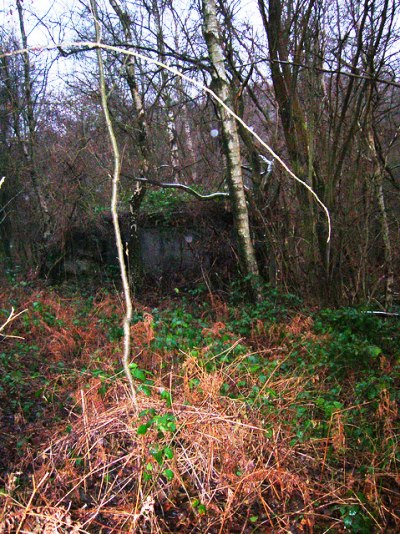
x=142 y=429
x=169 y=474
x=166 y=395
x=139 y=374
x=374 y=351
x=158 y=456
x=168 y=453
x=201 y=509
x=144 y=389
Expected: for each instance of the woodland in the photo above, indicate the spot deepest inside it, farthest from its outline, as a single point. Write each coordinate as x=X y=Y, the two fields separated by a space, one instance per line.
x=199 y=288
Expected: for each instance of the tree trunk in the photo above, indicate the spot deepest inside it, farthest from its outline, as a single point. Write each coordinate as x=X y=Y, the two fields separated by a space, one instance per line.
x=378 y=172
x=132 y=248
x=231 y=147
x=299 y=136
x=29 y=146
x=166 y=95
x=5 y=224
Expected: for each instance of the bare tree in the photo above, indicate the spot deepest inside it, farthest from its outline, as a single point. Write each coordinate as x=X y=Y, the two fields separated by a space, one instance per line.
x=231 y=146
x=29 y=140
x=157 y=10
x=22 y=88
x=322 y=111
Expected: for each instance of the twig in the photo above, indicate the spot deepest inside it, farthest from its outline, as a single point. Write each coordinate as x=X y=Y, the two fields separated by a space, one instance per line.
x=384 y=313
x=10 y=319
x=27 y=507
x=86 y=429
x=338 y=72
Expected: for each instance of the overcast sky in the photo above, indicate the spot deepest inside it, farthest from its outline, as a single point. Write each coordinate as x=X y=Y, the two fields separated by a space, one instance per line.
x=50 y=21
x=53 y=10
x=41 y=10
x=57 y=16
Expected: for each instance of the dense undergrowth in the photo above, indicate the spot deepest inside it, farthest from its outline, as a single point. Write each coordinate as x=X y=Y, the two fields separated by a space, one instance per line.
x=253 y=418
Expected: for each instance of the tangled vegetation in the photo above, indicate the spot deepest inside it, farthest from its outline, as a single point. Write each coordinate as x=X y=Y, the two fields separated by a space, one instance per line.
x=266 y=418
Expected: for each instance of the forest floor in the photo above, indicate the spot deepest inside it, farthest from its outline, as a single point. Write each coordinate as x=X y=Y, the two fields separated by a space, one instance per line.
x=252 y=418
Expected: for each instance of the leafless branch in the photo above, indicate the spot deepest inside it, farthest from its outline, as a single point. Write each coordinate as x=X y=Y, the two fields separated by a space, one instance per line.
x=338 y=72
x=10 y=319
x=90 y=45
x=183 y=187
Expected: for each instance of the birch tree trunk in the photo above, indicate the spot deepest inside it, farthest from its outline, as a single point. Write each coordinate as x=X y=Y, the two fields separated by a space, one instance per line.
x=142 y=139
x=231 y=147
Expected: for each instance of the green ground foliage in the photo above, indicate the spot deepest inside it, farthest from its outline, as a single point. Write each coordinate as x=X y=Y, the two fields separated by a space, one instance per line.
x=271 y=417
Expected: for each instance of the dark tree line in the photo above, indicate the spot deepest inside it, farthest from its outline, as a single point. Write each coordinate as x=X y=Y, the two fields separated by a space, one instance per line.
x=318 y=81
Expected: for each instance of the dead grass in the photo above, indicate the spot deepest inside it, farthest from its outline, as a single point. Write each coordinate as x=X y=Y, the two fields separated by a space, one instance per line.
x=235 y=466
x=228 y=471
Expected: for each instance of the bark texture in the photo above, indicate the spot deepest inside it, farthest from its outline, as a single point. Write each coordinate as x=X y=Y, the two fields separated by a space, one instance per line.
x=231 y=146
x=378 y=173
x=132 y=249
